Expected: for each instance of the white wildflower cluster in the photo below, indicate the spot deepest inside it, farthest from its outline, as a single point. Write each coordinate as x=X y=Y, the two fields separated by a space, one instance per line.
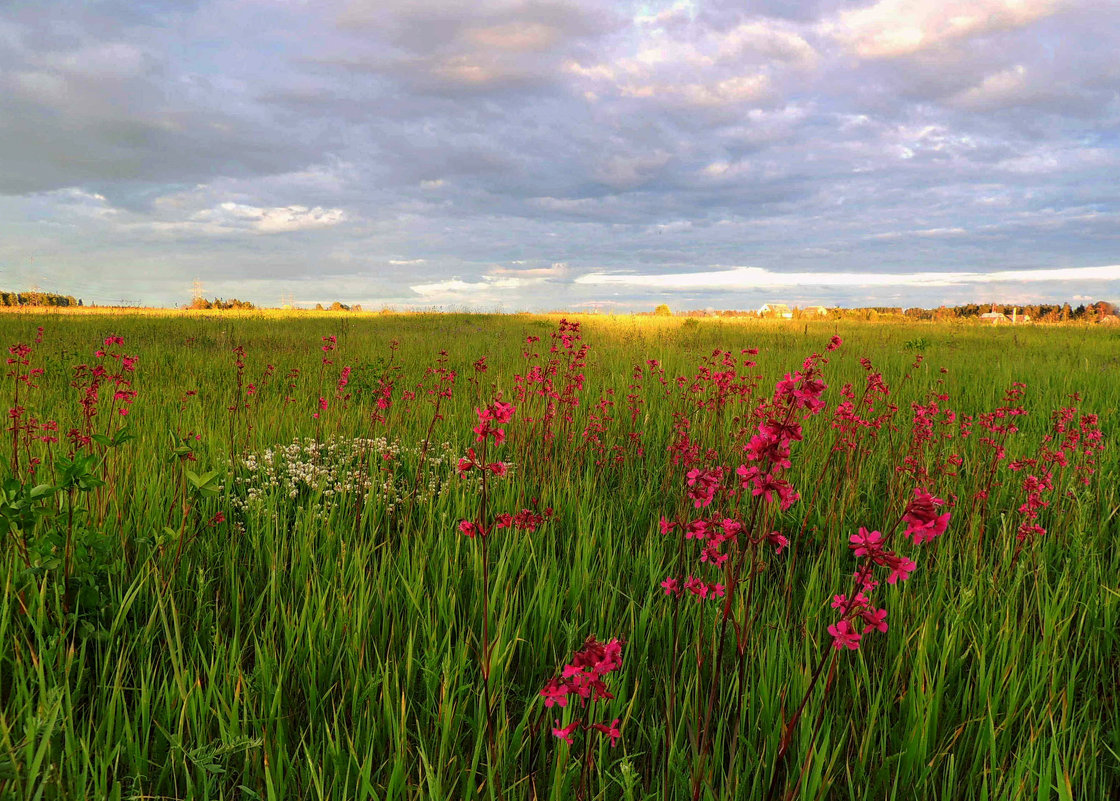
x=380 y=469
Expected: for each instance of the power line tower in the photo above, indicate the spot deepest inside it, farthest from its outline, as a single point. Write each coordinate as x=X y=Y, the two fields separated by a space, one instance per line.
x=198 y=290
x=287 y=301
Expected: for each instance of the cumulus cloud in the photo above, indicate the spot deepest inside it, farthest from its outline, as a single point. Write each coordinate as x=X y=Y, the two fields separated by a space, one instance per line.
x=902 y=27
x=269 y=220
x=491 y=45
x=667 y=62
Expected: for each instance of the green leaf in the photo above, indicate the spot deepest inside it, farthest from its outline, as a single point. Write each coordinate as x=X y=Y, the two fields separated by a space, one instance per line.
x=88 y=482
x=42 y=491
x=166 y=535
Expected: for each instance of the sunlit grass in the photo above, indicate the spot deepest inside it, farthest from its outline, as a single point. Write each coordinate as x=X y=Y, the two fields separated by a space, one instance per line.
x=311 y=649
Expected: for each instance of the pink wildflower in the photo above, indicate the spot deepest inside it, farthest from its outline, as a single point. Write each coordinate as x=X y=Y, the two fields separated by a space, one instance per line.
x=874 y=619
x=611 y=730
x=843 y=635
x=778 y=541
x=565 y=733
x=901 y=568
x=866 y=543
x=555 y=693
x=921 y=517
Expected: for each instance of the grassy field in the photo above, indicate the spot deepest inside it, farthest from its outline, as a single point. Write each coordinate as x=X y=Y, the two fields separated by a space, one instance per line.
x=256 y=583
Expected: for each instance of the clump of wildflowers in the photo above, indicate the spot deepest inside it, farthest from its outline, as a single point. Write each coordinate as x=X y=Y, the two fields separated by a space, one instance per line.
x=334 y=468
x=488 y=433
x=924 y=523
x=583 y=679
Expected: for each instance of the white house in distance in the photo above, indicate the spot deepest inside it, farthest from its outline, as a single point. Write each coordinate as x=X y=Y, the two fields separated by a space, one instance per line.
x=779 y=310
x=997 y=318
x=817 y=311
x=994 y=318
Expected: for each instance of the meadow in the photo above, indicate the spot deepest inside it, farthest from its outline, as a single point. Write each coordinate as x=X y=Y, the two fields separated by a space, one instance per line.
x=519 y=557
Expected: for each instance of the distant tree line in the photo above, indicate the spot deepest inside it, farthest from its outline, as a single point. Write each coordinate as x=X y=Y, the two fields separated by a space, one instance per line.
x=37 y=299
x=1043 y=313
x=219 y=304
x=1046 y=313
x=337 y=306
x=1040 y=312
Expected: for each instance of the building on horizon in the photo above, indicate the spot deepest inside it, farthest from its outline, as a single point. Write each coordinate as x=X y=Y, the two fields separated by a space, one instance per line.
x=776 y=310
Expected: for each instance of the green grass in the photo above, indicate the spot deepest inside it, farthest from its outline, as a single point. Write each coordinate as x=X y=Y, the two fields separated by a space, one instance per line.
x=301 y=650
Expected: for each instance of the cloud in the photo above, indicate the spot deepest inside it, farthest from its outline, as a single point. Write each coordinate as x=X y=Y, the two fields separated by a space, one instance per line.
x=230 y=218
x=891 y=28
x=629 y=171
x=500 y=284
x=557 y=270
x=491 y=45
x=495 y=152
x=768 y=38
x=735 y=89
x=458 y=288
x=515 y=36
x=998 y=89
x=922 y=232
x=272 y=220
x=103 y=102
x=696 y=66
x=81 y=204
x=744 y=278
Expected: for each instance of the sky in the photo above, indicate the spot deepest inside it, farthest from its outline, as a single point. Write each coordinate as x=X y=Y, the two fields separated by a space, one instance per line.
x=561 y=154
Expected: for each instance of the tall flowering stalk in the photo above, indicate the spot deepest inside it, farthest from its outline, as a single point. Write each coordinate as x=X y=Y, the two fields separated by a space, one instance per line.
x=330 y=344
x=23 y=375
x=443 y=384
x=995 y=429
x=113 y=369
x=488 y=430
x=252 y=400
x=547 y=394
x=858 y=615
x=797 y=397
x=379 y=416
x=1071 y=445
x=237 y=403
x=857 y=424
x=730 y=538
